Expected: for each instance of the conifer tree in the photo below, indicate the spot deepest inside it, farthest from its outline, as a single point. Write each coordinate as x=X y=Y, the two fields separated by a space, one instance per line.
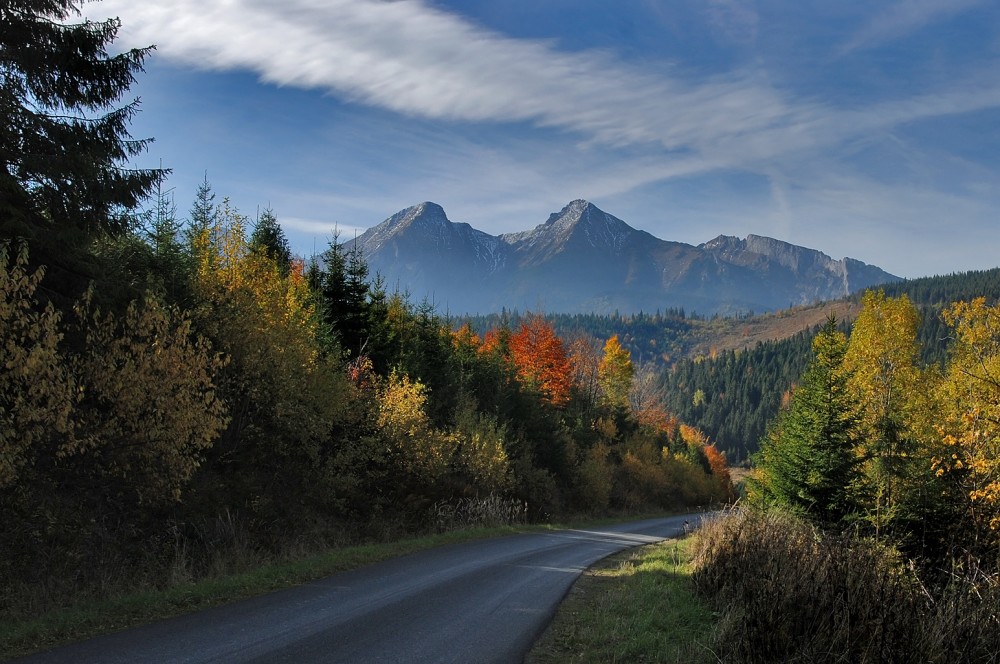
x=204 y=212
x=268 y=239
x=807 y=460
x=64 y=134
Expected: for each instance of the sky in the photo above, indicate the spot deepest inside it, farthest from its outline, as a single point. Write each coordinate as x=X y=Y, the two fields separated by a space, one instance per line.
x=859 y=128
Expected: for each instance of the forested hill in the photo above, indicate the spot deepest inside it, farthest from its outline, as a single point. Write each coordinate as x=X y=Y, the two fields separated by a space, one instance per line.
x=733 y=394
x=939 y=290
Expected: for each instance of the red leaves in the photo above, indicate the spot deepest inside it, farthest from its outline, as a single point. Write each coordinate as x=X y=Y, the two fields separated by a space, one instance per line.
x=540 y=360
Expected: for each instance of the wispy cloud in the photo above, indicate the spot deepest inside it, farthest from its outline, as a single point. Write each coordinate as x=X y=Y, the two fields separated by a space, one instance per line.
x=733 y=20
x=320 y=228
x=414 y=59
x=411 y=58
x=904 y=18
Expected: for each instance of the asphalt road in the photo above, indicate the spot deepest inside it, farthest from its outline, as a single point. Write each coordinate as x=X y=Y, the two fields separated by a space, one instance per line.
x=482 y=601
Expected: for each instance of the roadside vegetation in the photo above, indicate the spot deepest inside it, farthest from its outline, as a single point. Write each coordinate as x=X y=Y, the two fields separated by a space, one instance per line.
x=637 y=606
x=182 y=399
x=870 y=529
x=786 y=590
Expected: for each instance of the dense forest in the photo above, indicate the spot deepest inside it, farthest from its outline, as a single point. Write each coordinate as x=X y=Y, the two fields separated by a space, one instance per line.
x=176 y=385
x=733 y=395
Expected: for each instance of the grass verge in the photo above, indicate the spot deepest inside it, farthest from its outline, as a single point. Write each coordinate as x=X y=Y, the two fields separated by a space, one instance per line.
x=636 y=606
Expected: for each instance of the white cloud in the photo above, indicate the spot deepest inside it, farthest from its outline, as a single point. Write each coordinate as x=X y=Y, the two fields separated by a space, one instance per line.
x=324 y=229
x=904 y=18
x=414 y=59
x=411 y=58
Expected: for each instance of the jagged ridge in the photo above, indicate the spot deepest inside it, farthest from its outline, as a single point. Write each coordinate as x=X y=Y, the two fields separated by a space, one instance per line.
x=582 y=259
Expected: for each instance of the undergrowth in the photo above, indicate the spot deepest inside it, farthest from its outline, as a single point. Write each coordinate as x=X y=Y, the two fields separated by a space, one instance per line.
x=787 y=592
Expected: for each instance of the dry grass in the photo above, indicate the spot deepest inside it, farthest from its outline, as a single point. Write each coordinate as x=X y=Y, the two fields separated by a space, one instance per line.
x=739 y=334
x=788 y=593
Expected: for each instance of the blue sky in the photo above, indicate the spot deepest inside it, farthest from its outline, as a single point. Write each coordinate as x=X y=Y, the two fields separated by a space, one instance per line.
x=862 y=129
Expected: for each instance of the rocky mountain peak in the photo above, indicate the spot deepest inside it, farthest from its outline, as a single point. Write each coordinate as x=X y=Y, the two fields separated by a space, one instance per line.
x=424 y=214
x=580 y=222
x=571 y=213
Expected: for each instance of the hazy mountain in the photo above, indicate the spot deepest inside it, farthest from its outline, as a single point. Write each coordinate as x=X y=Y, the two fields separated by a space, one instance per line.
x=583 y=259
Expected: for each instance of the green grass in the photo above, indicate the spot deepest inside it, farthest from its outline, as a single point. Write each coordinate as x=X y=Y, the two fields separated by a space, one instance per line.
x=637 y=606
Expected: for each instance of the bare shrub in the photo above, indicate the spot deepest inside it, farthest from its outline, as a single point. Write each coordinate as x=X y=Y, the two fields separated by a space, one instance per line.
x=487 y=511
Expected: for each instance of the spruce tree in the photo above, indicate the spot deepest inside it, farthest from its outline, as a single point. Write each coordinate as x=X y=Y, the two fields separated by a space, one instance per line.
x=268 y=239
x=204 y=212
x=807 y=459
x=64 y=137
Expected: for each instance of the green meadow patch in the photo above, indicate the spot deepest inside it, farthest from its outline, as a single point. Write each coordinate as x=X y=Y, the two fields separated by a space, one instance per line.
x=636 y=606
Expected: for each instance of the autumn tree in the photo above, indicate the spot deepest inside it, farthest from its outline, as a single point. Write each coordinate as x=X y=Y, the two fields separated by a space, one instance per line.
x=541 y=361
x=882 y=363
x=149 y=407
x=284 y=393
x=720 y=471
x=616 y=372
x=418 y=449
x=968 y=453
x=647 y=394
x=585 y=358
x=38 y=393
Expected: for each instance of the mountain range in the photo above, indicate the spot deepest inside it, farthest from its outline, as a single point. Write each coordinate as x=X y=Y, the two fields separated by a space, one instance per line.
x=584 y=260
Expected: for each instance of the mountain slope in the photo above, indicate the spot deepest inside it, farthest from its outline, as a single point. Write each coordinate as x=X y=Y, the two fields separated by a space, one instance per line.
x=582 y=259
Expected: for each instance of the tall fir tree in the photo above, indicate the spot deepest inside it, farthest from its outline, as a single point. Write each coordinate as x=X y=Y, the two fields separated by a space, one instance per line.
x=204 y=213
x=807 y=460
x=268 y=239
x=64 y=135
x=343 y=295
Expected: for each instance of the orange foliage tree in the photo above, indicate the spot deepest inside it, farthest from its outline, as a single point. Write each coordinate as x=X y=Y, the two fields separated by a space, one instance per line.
x=540 y=359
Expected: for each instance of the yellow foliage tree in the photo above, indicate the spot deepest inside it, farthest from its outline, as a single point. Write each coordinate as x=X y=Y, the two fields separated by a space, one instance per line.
x=423 y=453
x=481 y=451
x=969 y=427
x=149 y=407
x=37 y=391
x=881 y=363
x=282 y=391
x=615 y=373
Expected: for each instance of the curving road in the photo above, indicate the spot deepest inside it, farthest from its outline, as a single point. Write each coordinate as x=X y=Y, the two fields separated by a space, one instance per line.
x=482 y=601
